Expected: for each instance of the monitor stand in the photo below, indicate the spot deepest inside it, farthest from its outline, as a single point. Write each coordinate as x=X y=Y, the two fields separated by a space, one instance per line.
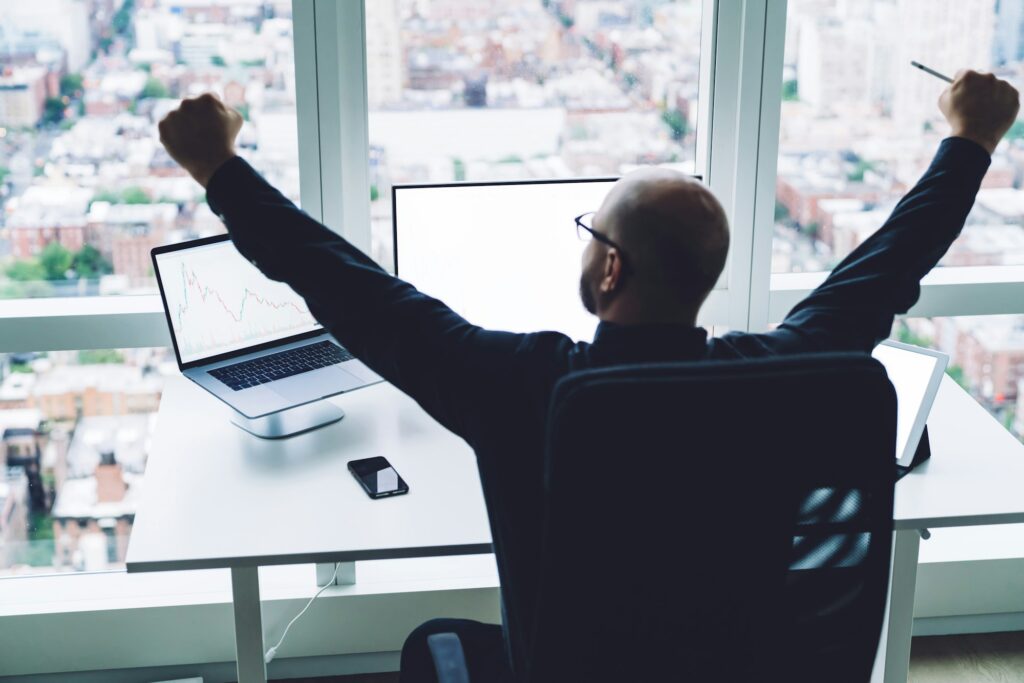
x=290 y=421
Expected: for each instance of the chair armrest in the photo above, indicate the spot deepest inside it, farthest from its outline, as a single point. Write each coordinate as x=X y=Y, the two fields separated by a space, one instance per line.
x=449 y=660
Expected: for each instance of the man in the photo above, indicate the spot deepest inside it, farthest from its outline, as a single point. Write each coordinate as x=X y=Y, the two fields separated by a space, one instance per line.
x=660 y=243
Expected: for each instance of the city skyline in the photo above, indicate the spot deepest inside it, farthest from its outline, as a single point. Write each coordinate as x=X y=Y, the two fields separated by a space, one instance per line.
x=457 y=90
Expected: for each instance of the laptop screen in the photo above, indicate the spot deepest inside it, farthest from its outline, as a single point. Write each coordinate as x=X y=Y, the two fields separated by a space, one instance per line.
x=218 y=302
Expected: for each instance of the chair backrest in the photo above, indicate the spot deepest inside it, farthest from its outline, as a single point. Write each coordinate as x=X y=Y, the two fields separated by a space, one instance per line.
x=717 y=521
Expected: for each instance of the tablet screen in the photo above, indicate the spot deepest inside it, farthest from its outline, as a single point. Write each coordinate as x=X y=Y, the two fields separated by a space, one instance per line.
x=915 y=374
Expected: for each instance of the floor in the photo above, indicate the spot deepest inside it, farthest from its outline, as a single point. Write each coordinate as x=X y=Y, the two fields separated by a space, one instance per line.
x=982 y=658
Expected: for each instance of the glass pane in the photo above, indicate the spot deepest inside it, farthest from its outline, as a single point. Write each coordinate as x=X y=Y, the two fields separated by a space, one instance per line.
x=478 y=91
x=85 y=186
x=986 y=357
x=75 y=429
x=860 y=124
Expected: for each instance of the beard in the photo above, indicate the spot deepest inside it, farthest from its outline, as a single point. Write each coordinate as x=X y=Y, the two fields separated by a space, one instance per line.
x=587 y=294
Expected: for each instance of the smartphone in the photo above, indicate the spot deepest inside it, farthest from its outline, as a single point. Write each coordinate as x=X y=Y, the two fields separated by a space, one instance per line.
x=377 y=477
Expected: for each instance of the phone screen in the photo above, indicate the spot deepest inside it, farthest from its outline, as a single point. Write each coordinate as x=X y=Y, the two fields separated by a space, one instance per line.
x=378 y=477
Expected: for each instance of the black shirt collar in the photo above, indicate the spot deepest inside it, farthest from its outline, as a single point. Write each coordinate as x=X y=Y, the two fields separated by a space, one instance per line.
x=650 y=342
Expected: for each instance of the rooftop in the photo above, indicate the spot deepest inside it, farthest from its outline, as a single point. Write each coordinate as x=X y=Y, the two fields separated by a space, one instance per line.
x=127 y=436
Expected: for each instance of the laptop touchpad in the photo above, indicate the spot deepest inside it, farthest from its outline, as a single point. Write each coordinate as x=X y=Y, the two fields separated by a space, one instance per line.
x=313 y=385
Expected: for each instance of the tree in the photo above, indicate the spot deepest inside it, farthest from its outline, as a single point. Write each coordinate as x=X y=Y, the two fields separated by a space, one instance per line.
x=122 y=20
x=857 y=174
x=781 y=213
x=790 y=91
x=1016 y=131
x=676 y=122
x=88 y=262
x=153 y=88
x=53 y=110
x=71 y=85
x=105 y=196
x=957 y=373
x=134 y=195
x=27 y=270
x=98 y=356
x=55 y=260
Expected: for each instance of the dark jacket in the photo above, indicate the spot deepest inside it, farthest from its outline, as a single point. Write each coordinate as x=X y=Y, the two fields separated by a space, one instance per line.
x=492 y=388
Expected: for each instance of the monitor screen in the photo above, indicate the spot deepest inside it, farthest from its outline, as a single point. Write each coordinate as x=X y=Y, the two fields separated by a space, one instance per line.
x=504 y=255
x=915 y=374
x=218 y=302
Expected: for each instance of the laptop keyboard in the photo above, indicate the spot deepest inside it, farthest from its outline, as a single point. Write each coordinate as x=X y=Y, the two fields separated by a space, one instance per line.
x=276 y=366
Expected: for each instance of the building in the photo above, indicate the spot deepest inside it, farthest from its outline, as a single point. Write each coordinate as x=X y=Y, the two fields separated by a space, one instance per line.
x=830 y=67
x=1008 y=44
x=29 y=231
x=21 y=445
x=989 y=350
x=945 y=36
x=66 y=21
x=45 y=213
x=22 y=96
x=69 y=392
x=992 y=244
x=384 y=62
x=125 y=234
x=13 y=515
x=95 y=508
x=802 y=194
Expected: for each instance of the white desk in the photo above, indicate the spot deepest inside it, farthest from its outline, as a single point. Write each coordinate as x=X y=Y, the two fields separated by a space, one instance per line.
x=975 y=477
x=219 y=497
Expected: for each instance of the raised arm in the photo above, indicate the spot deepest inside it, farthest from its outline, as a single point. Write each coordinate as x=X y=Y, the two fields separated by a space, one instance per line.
x=855 y=307
x=451 y=367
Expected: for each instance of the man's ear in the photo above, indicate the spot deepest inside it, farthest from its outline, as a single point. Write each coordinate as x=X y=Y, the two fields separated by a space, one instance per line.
x=612 y=272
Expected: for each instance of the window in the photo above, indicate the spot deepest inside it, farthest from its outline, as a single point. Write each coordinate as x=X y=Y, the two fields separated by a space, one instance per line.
x=85 y=187
x=75 y=431
x=986 y=357
x=481 y=91
x=860 y=125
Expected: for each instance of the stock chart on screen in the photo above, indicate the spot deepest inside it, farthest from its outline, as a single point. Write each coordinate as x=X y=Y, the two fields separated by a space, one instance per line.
x=219 y=302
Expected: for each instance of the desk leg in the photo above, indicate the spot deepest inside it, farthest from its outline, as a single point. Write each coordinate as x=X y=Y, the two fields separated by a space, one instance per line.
x=245 y=592
x=892 y=664
x=345 y=576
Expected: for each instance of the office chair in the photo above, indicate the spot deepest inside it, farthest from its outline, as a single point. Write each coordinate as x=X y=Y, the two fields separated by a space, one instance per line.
x=715 y=521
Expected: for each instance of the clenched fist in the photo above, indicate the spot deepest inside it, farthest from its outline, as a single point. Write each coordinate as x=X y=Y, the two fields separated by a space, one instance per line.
x=980 y=107
x=200 y=135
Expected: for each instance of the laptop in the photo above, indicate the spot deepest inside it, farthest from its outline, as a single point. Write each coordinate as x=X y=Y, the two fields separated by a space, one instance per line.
x=248 y=340
x=915 y=373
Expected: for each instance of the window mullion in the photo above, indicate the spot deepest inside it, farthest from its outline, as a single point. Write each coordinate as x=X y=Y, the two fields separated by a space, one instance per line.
x=736 y=106
x=342 y=109
x=768 y=122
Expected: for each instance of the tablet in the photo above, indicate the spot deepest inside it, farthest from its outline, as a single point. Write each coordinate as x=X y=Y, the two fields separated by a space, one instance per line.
x=915 y=373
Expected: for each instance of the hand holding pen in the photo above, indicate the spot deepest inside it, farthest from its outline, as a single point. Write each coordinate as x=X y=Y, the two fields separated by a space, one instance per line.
x=979 y=107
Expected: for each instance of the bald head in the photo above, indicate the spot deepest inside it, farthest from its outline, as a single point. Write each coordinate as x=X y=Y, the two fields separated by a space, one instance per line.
x=674 y=234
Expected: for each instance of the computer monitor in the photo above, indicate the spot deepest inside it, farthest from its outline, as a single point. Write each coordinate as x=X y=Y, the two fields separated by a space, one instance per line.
x=503 y=255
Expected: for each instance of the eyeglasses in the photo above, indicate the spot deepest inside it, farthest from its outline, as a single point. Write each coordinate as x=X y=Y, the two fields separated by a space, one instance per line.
x=585 y=232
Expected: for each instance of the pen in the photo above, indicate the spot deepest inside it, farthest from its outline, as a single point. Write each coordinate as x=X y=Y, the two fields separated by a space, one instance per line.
x=933 y=72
